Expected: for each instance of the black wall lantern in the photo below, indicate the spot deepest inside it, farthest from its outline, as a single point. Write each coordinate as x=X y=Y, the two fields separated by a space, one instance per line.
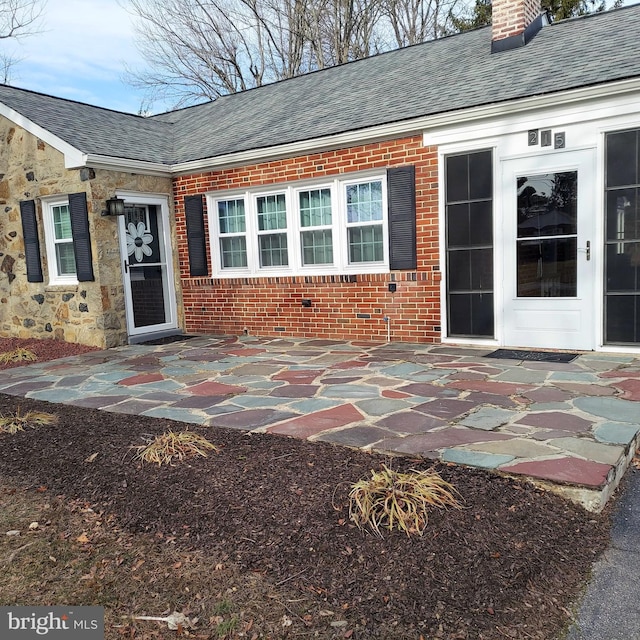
x=115 y=207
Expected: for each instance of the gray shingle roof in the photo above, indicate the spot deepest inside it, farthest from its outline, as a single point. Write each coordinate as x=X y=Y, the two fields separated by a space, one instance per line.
x=93 y=129
x=444 y=75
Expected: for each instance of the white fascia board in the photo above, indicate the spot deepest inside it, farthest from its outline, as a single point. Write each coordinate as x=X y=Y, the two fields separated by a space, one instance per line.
x=127 y=165
x=302 y=147
x=435 y=123
x=72 y=157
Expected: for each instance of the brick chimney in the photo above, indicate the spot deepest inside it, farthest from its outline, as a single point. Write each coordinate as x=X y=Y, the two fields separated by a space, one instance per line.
x=514 y=23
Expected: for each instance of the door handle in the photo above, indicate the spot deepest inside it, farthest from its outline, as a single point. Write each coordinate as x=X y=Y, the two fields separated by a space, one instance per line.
x=126 y=266
x=587 y=250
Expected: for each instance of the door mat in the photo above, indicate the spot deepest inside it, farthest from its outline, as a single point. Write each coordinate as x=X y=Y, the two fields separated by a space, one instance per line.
x=538 y=356
x=167 y=339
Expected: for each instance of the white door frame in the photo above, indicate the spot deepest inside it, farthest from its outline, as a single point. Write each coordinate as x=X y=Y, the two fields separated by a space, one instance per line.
x=548 y=322
x=162 y=204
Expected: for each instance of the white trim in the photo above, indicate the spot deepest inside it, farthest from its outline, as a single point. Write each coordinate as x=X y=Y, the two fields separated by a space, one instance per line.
x=127 y=165
x=537 y=116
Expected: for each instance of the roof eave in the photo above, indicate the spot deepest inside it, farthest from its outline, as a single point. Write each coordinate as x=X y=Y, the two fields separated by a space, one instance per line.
x=420 y=125
x=127 y=165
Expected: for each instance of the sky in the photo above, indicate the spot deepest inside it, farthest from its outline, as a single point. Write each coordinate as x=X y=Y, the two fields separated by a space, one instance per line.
x=80 y=53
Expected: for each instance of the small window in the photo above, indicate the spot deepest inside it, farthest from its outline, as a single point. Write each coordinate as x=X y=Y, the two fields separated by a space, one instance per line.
x=272 y=230
x=59 y=242
x=232 y=228
x=365 y=205
x=316 y=236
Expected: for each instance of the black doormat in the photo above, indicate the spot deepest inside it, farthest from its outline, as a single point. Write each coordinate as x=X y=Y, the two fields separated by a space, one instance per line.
x=539 y=356
x=167 y=339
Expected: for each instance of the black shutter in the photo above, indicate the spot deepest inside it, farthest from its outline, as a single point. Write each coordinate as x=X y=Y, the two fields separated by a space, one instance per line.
x=31 y=241
x=80 y=233
x=196 y=241
x=401 y=195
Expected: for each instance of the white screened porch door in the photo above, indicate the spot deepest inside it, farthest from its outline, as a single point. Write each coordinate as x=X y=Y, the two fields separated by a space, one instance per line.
x=548 y=266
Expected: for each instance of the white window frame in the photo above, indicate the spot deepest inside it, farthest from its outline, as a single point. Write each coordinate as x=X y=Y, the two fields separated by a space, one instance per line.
x=339 y=228
x=55 y=278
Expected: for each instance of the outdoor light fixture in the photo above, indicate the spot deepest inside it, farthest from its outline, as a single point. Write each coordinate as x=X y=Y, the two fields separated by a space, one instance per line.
x=115 y=207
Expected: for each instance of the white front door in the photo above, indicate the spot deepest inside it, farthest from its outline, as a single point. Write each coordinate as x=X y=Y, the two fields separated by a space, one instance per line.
x=148 y=277
x=549 y=224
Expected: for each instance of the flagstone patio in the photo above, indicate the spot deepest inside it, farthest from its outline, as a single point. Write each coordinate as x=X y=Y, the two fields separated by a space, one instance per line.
x=570 y=427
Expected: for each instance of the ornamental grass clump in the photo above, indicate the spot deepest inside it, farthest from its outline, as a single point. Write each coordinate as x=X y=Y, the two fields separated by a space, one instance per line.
x=173 y=447
x=18 y=421
x=17 y=355
x=392 y=499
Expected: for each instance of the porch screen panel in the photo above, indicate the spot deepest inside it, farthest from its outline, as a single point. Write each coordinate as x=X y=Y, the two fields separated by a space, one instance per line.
x=622 y=238
x=469 y=244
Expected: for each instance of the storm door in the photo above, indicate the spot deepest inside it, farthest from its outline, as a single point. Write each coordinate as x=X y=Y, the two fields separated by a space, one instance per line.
x=145 y=247
x=549 y=223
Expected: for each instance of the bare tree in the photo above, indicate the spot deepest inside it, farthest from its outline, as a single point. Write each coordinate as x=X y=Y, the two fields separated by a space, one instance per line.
x=201 y=49
x=18 y=18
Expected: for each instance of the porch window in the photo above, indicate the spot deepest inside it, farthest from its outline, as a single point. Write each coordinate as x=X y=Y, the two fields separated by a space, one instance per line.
x=622 y=238
x=59 y=242
x=469 y=244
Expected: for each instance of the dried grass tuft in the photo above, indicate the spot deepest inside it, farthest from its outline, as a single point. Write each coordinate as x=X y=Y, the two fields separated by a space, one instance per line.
x=18 y=421
x=171 y=447
x=392 y=499
x=18 y=355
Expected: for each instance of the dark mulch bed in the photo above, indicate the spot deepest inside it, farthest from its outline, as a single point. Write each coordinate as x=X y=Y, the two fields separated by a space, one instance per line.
x=508 y=565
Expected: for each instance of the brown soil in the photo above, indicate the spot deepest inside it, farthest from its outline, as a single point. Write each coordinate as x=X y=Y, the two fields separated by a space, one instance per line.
x=508 y=565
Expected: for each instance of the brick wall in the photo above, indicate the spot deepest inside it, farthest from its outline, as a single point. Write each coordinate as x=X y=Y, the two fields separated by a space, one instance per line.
x=342 y=307
x=512 y=17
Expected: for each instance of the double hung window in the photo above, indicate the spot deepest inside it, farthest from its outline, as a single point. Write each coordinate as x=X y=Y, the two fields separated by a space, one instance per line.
x=59 y=242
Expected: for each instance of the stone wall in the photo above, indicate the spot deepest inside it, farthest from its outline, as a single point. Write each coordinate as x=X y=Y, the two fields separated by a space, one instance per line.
x=91 y=313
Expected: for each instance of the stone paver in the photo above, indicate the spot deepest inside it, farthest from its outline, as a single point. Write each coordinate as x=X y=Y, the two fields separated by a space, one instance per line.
x=611 y=408
x=475 y=459
x=488 y=418
x=616 y=432
x=436 y=440
x=609 y=454
x=557 y=420
x=516 y=447
x=314 y=423
x=565 y=470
